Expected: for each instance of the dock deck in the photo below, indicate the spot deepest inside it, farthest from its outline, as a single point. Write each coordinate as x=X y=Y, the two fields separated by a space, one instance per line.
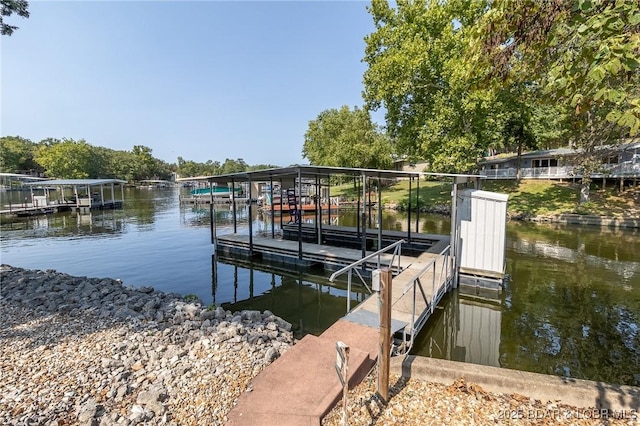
x=287 y=251
x=419 y=282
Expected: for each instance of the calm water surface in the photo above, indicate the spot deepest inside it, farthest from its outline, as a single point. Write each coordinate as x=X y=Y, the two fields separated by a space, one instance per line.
x=571 y=308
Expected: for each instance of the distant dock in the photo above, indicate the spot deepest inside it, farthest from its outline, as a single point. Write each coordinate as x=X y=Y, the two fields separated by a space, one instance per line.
x=59 y=195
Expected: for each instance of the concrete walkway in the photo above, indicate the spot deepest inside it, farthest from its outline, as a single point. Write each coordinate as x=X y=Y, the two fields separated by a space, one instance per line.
x=301 y=386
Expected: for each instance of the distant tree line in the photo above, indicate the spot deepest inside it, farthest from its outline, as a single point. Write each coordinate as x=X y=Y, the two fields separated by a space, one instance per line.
x=76 y=159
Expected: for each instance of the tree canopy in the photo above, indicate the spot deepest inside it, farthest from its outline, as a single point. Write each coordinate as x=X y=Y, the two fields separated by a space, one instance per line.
x=462 y=78
x=70 y=159
x=583 y=56
x=346 y=138
x=9 y=7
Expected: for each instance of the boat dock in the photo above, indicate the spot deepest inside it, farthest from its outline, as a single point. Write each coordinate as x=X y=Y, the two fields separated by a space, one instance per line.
x=301 y=386
x=58 y=195
x=419 y=284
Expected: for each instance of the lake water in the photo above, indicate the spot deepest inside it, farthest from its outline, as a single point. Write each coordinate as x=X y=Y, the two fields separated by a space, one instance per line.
x=571 y=308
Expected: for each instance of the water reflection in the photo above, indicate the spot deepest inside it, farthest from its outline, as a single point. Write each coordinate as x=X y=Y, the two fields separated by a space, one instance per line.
x=305 y=299
x=94 y=224
x=463 y=329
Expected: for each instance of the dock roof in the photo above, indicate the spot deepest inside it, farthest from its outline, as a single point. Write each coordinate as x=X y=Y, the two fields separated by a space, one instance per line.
x=318 y=171
x=77 y=182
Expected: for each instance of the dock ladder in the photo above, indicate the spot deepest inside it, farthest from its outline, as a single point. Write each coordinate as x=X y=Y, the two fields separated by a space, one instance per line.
x=292 y=201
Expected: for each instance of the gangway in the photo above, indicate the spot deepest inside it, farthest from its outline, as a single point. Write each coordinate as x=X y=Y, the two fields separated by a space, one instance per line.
x=416 y=291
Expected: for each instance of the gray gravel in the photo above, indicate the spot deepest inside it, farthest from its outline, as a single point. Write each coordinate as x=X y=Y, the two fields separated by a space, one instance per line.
x=91 y=351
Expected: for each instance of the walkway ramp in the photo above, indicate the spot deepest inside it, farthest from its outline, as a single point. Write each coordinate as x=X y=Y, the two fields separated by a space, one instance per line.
x=412 y=303
x=302 y=386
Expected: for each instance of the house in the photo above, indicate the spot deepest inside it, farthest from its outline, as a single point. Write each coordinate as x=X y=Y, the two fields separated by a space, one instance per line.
x=406 y=165
x=622 y=161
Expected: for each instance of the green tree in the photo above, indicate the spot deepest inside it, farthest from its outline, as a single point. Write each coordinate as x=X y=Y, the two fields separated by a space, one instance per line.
x=9 y=7
x=261 y=167
x=67 y=159
x=345 y=138
x=233 y=166
x=143 y=162
x=417 y=74
x=16 y=154
x=584 y=56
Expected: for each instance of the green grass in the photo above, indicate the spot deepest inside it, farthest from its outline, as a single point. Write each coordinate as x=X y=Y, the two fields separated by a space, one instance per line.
x=528 y=198
x=397 y=194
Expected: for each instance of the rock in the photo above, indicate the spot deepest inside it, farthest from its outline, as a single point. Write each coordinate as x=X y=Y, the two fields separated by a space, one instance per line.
x=152 y=399
x=135 y=356
x=271 y=355
x=87 y=411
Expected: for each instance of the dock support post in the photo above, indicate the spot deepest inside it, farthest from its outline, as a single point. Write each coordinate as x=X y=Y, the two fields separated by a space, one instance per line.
x=379 y=219
x=250 y=219
x=418 y=204
x=409 y=212
x=318 y=204
x=364 y=216
x=453 y=242
x=385 y=333
x=273 y=213
x=212 y=213
x=299 y=213
x=233 y=206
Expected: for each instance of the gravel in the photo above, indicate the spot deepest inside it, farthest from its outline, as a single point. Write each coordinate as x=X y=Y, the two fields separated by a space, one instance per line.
x=419 y=402
x=77 y=350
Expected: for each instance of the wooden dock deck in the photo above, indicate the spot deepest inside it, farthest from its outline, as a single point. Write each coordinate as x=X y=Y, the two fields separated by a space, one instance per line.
x=419 y=282
x=287 y=251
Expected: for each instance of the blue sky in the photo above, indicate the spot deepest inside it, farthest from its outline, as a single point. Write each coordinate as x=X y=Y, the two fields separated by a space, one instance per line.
x=201 y=80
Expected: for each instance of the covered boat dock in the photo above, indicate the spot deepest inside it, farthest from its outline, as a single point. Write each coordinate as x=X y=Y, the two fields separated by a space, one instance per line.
x=304 y=240
x=51 y=196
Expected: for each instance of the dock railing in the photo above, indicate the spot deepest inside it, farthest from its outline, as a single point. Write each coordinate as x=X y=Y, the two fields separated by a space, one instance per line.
x=396 y=247
x=441 y=277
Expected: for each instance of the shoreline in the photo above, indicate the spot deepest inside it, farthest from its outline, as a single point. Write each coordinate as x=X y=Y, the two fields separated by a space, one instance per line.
x=630 y=222
x=91 y=351
x=78 y=350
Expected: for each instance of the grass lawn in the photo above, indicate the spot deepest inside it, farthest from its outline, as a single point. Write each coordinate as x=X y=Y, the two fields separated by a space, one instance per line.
x=529 y=198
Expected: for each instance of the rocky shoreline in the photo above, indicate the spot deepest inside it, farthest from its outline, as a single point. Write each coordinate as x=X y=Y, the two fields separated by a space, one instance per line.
x=92 y=351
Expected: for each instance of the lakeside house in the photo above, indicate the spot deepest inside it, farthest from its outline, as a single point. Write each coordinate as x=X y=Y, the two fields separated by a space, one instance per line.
x=621 y=161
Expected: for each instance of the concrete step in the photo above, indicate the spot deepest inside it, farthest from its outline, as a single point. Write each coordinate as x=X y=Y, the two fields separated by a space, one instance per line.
x=301 y=386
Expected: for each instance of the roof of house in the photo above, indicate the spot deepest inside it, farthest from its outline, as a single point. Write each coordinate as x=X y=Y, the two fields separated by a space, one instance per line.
x=558 y=152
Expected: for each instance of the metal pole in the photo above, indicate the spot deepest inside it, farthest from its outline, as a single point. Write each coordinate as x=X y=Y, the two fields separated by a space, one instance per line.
x=385 y=333
x=299 y=213
x=233 y=206
x=349 y=291
x=379 y=219
x=355 y=183
x=250 y=219
x=320 y=220
x=273 y=215
x=454 y=231
x=418 y=205
x=212 y=224
x=409 y=212
x=364 y=216
x=280 y=207
x=318 y=210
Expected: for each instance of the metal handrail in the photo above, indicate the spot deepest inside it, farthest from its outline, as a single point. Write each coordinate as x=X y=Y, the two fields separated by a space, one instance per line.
x=446 y=269
x=397 y=246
